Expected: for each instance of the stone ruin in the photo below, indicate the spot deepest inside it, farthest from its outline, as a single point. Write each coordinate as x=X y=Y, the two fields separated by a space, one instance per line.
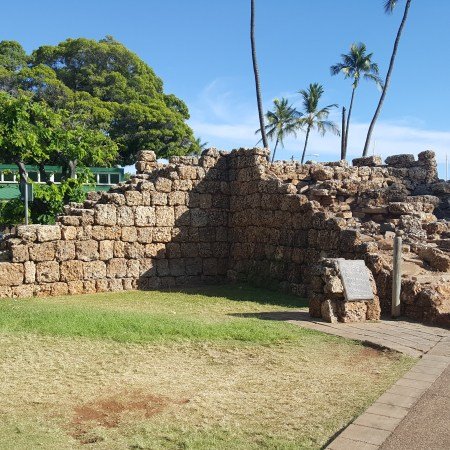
x=235 y=216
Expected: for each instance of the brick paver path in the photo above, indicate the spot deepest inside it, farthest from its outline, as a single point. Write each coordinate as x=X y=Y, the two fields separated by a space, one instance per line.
x=390 y=421
x=410 y=338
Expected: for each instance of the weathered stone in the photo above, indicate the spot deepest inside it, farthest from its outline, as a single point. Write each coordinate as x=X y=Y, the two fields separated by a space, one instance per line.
x=48 y=233
x=369 y=161
x=145 y=235
x=352 y=311
x=177 y=198
x=68 y=233
x=333 y=285
x=58 y=289
x=87 y=250
x=436 y=258
x=11 y=274
x=129 y=234
x=162 y=235
x=47 y=272
x=29 y=272
x=158 y=199
x=328 y=311
x=75 y=287
x=72 y=270
x=27 y=232
x=106 y=250
x=119 y=249
x=94 y=270
x=133 y=198
x=125 y=216
x=163 y=184
x=134 y=250
x=105 y=214
x=133 y=268
x=22 y=291
x=145 y=216
x=165 y=216
x=400 y=160
x=19 y=253
x=117 y=268
x=42 y=252
x=65 y=250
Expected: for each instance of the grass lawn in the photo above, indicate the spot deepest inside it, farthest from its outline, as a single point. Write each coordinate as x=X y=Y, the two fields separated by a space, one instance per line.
x=178 y=370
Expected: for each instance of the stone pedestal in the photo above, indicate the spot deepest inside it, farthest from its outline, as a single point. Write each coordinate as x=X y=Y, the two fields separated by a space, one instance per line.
x=349 y=293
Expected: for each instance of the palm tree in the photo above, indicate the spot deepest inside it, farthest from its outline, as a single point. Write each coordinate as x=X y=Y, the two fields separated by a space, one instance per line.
x=388 y=8
x=282 y=121
x=256 y=73
x=201 y=145
x=356 y=64
x=313 y=117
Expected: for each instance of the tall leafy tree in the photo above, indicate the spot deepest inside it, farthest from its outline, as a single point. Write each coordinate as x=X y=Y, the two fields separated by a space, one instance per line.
x=355 y=65
x=118 y=92
x=32 y=133
x=26 y=131
x=282 y=121
x=389 y=8
x=256 y=74
x=313 y=117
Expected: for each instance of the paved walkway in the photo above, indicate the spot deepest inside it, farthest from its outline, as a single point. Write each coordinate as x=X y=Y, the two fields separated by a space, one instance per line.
x=415 y=412
x=410 y=338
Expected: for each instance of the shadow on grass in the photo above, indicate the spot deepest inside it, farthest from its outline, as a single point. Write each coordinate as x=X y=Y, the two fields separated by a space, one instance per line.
x=244 y=293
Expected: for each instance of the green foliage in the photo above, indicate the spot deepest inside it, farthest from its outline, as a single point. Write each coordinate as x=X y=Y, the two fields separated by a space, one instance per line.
x=12 y=55
x=49 y=199
x=357 y=64
x=282 y=122
x=312 y=116
x=12 y=212
x=107 y=88
x=26 y=129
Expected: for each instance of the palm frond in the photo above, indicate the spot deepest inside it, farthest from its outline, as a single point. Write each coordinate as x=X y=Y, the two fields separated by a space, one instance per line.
x=280 y=121
x=375 y=78
x=327 y=125
x=389 y=6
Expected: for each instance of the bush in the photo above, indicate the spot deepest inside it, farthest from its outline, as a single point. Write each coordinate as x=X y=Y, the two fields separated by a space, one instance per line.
x=49 y=199
x=12 y=212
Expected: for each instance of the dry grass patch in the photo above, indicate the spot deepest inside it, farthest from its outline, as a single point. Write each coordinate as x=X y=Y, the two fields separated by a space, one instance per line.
x=68 y=392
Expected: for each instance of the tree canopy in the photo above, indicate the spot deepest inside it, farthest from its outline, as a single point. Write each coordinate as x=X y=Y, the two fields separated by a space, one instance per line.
x=31 y=132
x=107 y=87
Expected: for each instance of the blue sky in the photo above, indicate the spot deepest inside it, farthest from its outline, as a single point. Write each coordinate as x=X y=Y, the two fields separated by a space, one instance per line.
x=201 y=50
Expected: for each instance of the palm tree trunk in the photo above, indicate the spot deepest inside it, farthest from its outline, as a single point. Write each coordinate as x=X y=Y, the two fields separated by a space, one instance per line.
x=388 y=79
x=343 y=151
x=275 y=149
x=256 y=73
x=348 y=120
x=306 y=143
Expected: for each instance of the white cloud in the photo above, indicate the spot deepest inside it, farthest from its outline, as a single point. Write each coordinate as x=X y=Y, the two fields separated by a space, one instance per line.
x=226 y=122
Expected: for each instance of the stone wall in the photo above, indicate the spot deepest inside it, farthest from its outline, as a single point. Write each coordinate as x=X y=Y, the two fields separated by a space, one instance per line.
x=236 y=216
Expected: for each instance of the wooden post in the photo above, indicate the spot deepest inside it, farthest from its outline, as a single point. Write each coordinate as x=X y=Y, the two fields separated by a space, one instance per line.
x=26 y=203
x=397 y=275
x=343 y=152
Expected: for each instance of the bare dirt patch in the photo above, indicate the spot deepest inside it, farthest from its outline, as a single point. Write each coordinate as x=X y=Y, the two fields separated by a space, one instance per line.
x=108 y=412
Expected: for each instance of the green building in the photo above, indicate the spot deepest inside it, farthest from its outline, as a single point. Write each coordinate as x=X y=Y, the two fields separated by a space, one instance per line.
x=104 y=178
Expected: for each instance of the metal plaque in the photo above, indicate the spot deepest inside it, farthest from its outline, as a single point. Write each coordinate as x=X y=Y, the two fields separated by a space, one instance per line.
x=355 y=279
